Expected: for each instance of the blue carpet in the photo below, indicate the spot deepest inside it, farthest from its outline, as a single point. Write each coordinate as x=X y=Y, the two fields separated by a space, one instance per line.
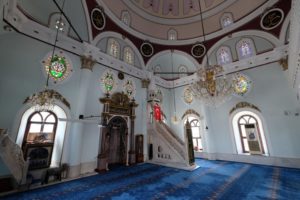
x=213 y=180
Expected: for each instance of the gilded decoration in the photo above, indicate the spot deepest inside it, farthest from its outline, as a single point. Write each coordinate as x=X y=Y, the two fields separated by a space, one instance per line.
x=284 y=63
x=87 y=63
x=189 y=112
x=119 y=104
x=188 y=95
x=54 y=94
x=244 y=105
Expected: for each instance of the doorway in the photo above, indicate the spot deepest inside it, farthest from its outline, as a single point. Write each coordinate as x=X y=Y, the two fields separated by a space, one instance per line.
x=117 y=131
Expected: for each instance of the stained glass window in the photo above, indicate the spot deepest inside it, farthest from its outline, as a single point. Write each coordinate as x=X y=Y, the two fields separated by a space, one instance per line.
x=226 y=20
x=126 y=17
x=224 y=55
x=245 y=48
x=129 y=87
x=113 y=48
x=242 y=84
x=108 y=81
x=128 y=55
x=58 y=66
x=172 y=34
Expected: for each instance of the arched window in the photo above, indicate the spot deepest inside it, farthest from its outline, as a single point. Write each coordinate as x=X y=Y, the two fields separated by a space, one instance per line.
x=157 y=69
x=128 y=55
x=39 y=139
x=126 y=17
x=249 y=133
x=245 y=48
x=113 y=48
x=226 y=20
x=196 y=133
x=224 y=55
x=182 y=71
x=172 y=34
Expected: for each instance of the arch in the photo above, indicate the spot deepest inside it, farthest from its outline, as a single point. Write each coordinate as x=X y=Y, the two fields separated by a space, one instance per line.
x=109 y=34
x=197 y=127
x=128 y=55
x=224 y=55
x=62 y=129
x=261 y=125
x=113 y=48
x=182 y=69
x=156 y=56
x=172 y=34
x=284 y=29
x=245 y=48
x=125 y=17
x=226 y=20
x=262 y=34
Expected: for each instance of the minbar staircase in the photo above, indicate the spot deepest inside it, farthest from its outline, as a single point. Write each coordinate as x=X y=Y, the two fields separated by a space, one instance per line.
x=167 y=148
x=12 y=156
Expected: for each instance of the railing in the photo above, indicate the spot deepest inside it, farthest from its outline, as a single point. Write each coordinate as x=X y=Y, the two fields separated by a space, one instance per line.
x=12 y=156
x=174 y=141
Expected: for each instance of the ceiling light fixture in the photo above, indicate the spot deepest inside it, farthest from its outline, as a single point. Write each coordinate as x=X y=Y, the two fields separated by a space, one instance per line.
x=212 y=87
x=44 y=100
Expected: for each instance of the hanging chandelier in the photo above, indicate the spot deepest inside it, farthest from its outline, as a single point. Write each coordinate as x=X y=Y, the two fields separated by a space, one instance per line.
x=45 y=99
x=211 y=87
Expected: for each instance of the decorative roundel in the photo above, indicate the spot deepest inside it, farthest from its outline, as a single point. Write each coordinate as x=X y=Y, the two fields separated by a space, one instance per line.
x=98 y=18
x=57 y=66
x=188 y=95
x=146 y=49
x=109 y=81
x=271 y=19
x=129 y=87
x=121 y=75
x=241 y=84
x=198 y=50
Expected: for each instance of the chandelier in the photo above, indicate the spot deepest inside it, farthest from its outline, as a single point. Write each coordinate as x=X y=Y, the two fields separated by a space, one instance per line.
x=211 y=87
x=44 y=100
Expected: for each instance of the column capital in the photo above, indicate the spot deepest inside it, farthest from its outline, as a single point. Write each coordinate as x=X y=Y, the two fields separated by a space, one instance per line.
x=87 y=62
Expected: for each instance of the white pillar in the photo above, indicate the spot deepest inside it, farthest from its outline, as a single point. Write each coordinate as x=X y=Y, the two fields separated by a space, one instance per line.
x=77 y=128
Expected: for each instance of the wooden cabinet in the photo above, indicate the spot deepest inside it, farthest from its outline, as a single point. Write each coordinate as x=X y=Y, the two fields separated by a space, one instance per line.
x=139 y=148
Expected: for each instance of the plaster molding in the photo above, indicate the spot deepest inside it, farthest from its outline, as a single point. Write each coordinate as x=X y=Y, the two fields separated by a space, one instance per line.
x=165 y=41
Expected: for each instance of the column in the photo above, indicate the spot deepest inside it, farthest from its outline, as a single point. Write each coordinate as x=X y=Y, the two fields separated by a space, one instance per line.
x=77 y=128
x=133 y=105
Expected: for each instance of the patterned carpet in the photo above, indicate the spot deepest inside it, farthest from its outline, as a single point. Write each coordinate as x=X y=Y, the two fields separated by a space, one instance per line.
x=213 y=180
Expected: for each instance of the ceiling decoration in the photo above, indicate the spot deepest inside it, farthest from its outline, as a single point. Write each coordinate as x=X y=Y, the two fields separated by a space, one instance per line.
x=272 y=18
x=146 y=49
x=198 y=50
x=98 y=18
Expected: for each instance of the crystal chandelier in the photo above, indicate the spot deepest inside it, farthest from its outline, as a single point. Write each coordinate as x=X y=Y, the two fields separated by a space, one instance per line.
x=211 y=87
x=44 y=100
